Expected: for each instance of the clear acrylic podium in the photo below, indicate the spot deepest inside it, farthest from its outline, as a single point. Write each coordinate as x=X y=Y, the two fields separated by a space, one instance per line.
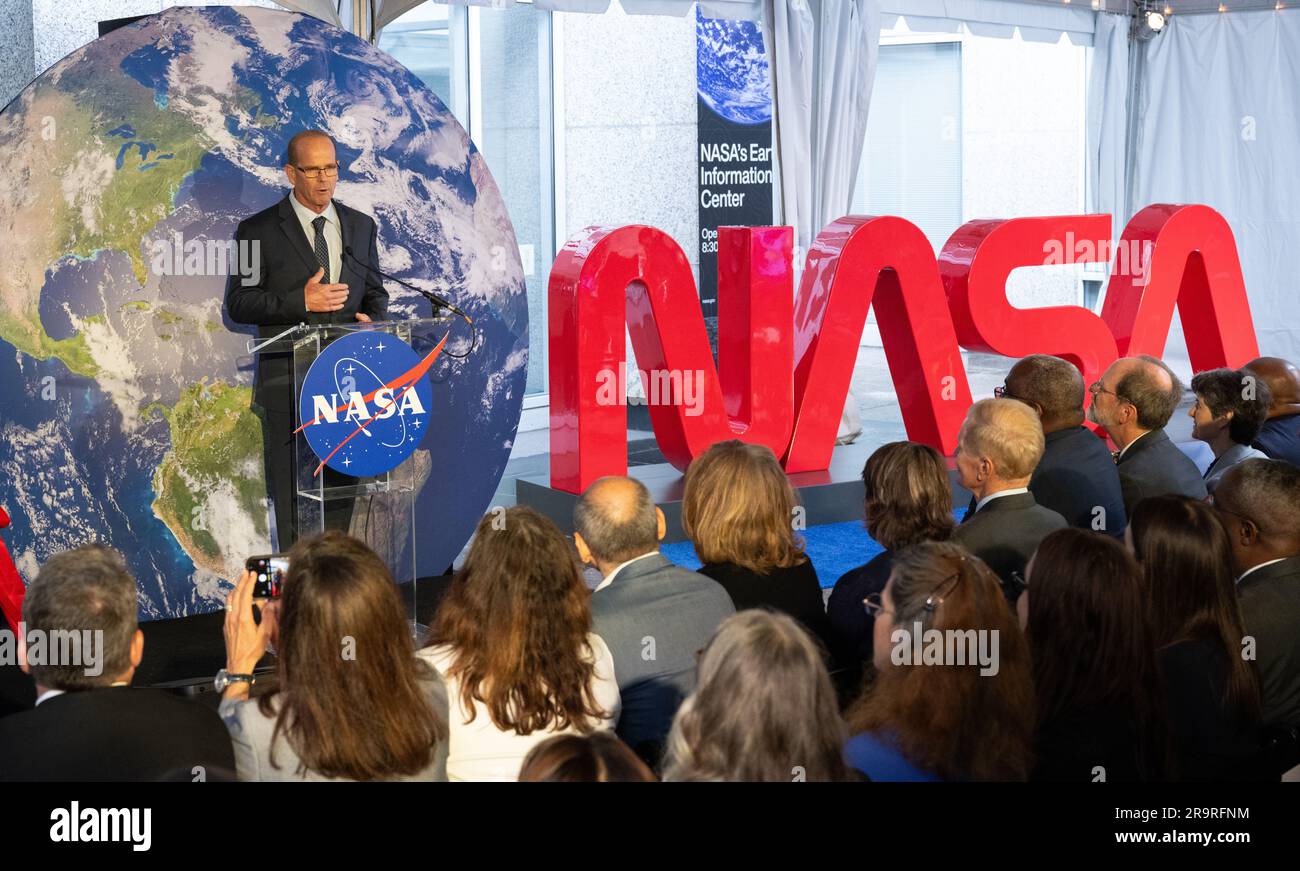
x=381 y=510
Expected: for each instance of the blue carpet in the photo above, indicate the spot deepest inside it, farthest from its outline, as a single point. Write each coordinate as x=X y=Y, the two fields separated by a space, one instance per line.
x=833 y=547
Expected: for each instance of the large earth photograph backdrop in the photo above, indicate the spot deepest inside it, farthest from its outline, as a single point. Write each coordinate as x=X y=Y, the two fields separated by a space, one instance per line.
x=124 y=392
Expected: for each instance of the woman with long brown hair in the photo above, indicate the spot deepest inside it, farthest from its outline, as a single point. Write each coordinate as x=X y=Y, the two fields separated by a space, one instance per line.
x=763 y=708
x=907 y=500
x=513 y=641
x=953 y=699
x=740 y=512
x=352 y=701
x=1191 y=596
x=1100 y=698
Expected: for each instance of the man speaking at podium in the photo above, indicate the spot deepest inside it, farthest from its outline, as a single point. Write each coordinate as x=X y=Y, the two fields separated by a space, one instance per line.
x=302 y=277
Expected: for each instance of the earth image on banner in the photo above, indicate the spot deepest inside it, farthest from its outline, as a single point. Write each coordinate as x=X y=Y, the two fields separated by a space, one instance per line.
x=731 y=69
x=124 y=390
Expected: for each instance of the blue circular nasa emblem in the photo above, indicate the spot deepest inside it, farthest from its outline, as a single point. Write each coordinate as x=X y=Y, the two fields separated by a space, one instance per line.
x=364 y=406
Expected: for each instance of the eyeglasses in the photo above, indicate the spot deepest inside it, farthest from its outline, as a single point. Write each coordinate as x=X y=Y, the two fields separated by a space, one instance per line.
x=1096 y=387
x=1001 y=392
x=1016 y=585
x=315 y=172
x=874 y=606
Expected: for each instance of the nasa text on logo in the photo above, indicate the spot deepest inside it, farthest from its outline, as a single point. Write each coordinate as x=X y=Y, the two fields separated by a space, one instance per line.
x=365 y=403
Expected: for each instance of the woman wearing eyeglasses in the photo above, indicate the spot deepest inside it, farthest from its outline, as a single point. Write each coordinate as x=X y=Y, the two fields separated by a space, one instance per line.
x=952 y=699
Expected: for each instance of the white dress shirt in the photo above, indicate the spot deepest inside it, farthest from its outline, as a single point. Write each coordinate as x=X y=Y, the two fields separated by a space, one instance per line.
x=1258 y=567
x=989 y=498
x=333 y=233
x=618 y=568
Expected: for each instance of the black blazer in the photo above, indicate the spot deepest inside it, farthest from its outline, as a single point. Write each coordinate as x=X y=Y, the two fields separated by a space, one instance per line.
x=850 y=624
x=794 y=591
x=274 y=302
x=1076 y=476
x=114 y=734
x=1213 y=741
x=1006 y=532
x=1270 y=610
x=1154 y=466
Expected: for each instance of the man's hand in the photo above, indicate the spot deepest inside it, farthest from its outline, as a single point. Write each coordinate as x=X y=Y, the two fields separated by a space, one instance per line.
x=323 y=297
x=362 y=317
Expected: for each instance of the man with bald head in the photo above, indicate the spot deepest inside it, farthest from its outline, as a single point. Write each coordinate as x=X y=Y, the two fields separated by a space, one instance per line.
x=314 y=260
x=1259 y=503
x=1133 y=401
x=653 y=615
x=1279 y=438
x=1076 y=477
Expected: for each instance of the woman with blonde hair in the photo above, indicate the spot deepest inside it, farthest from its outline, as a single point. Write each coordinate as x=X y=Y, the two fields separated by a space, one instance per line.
x=739 y=511
x=763 y=708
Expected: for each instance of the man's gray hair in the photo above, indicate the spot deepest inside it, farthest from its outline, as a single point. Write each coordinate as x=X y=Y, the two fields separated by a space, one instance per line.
x=1155 y=404
x=617 y=530
x=1267 y=492
x=84 y=590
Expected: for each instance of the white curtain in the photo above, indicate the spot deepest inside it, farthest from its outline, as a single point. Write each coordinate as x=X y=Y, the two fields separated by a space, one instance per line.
x=1108 y=109
x=1219 y=123
x=823 y=62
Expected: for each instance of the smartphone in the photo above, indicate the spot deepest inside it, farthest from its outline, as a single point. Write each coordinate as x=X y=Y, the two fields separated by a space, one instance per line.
x=270 y=571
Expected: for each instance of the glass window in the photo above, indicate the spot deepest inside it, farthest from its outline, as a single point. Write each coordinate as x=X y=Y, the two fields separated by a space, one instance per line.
x=430 y=42
x=510 y=84
x=911 y=162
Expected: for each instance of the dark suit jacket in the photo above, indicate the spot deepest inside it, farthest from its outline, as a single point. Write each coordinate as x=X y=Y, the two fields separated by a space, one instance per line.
x=1279 y=438
x=114 y=734
x=850 y=624
x=1154 y=466
x=275 y=301
x=1006 y=532
x=654 y=602
x=1076 y=476
x=1270 y=610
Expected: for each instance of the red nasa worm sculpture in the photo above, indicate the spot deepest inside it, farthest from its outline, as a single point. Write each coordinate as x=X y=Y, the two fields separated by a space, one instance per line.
x=783 y=369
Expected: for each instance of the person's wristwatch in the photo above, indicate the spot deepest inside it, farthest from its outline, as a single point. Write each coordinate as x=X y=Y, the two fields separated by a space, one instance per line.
x=226 y=678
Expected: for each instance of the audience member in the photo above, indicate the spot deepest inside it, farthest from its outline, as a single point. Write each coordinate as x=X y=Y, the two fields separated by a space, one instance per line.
x=81 y=647
x=763 y=708
x=1133 y=401
x=1279 y=437
x=596 y=758
x=970 y=714
x=1230 y=408
x=1259 y=503
x=352 y=701
x=1213 y=692
x=513 y=642
x=1101 y=709
x=1076 y=476
x=998 y=446
x=739 y=511
x=908 y=500
x=643 y=600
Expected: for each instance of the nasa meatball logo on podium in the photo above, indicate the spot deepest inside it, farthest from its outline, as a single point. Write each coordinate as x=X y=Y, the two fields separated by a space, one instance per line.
x=364 y=404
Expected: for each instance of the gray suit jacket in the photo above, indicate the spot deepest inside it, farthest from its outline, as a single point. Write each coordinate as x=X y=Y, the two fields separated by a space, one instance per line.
x=655 y=617
x=251 y=730
x=1270 y=610
x=1231 y=457
x=1154 y=466
x=1006 y=532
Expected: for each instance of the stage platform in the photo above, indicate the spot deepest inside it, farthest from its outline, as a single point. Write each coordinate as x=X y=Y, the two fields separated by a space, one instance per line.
x=831 y=496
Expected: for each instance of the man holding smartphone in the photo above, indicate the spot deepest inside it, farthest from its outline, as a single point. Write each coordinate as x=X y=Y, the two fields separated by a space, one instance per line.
x=314 y=260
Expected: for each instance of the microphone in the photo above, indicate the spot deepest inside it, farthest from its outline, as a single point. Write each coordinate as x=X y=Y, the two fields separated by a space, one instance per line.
x=437 y=301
